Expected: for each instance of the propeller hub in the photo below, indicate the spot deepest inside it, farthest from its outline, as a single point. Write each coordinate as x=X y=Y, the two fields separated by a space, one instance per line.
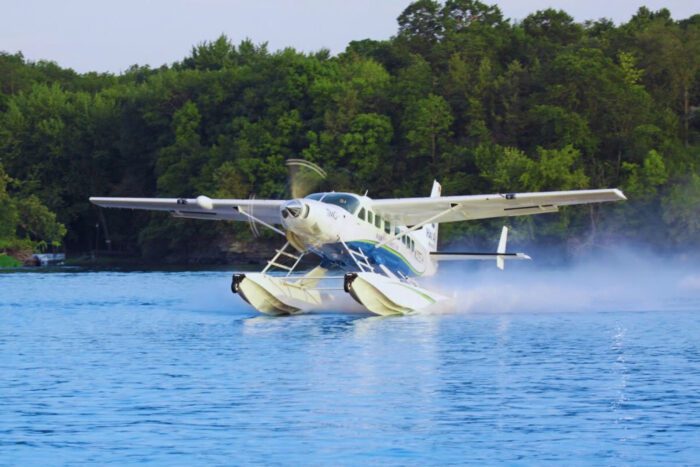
x=310 y=221
x=295 y=209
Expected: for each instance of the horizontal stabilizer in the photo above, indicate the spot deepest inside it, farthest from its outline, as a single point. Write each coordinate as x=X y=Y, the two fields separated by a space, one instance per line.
x=500 y=256
x=457 y=256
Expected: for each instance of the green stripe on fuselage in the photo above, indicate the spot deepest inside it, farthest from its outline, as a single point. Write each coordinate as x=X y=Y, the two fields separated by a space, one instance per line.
x=392 y=251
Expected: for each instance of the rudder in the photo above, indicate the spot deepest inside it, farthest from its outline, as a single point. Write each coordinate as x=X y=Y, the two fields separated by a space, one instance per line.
x=430 y=231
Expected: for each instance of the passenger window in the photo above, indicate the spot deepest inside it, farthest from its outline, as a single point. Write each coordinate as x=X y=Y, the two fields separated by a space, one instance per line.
x=387 y=227
x=378 y=221
x=413 y=245
x=396 y=230
x=370 y=217
x=361 y=214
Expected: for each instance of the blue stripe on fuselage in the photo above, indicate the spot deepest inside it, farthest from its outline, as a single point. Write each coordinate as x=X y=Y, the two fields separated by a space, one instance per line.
x=335 y=254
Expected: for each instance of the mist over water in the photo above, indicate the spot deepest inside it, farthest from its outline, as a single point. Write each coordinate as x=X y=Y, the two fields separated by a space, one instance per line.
x=620 y=280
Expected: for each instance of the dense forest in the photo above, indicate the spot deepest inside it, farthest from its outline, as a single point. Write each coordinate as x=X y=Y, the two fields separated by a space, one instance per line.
x=460 y=94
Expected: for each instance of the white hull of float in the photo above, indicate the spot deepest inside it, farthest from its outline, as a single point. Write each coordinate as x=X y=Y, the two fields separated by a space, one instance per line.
x=280 y=295
x=387 y=296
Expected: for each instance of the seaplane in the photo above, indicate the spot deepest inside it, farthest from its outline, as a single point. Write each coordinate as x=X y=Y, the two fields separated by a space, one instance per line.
x=376 y=250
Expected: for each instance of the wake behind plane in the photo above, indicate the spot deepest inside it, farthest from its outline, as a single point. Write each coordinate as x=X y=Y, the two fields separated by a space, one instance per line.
x=376 y=250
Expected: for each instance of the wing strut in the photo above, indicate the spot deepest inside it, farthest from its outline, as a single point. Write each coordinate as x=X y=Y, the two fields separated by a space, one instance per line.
x=261 y=222
x=430 y=220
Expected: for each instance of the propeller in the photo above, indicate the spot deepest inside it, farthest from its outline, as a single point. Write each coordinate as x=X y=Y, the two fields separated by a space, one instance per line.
x=251 y=223
x=304 y=177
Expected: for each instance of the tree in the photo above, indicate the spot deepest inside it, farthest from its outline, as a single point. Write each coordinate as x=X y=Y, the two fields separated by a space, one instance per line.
x=9 y=217
x=181 y=160
x=36 y=222
x=428 y=124
x=366 y=149
x=26 y=223
x=644 y=181
x=457 y=15
x=672 y=62
x=551 y=30
x=220 y=53
x=510 y=169
x=460 y=94
x=681 y=212
x=420 y=26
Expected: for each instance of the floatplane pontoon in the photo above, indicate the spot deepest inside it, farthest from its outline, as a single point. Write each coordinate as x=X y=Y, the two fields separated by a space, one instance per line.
x=376 y=250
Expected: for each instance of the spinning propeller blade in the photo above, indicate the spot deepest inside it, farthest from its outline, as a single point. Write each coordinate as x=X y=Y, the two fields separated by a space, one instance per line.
x=304 y=177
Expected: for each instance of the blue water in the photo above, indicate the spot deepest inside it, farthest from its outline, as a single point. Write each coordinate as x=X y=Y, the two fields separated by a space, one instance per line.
x=171 y=368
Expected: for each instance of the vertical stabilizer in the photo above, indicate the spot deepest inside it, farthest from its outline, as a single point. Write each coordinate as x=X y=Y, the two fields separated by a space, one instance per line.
x=431 y=230
x=500 y=262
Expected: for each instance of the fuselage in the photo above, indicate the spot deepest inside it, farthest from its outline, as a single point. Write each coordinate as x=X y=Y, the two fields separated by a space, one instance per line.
x=329 y=224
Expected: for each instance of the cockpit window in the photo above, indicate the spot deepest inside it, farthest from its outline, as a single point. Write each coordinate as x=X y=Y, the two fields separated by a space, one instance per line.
x=346 y=201
x=316 y=196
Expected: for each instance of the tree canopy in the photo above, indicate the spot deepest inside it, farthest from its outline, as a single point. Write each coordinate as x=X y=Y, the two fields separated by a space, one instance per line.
x=460 y=94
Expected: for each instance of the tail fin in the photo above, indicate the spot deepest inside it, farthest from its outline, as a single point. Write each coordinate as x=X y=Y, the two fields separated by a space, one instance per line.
x=500 y=262
x=430 y=231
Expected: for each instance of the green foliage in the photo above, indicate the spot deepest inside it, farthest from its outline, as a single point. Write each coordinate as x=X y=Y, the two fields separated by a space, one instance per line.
x=177 y=162
x=26 y=224
x=8 y=261
x=643 y=182
x=428 y=122
x=37 y=222
x=365 y=148
x=509 y=169
x=681 y=212
x=460 y=94
x=632 y=74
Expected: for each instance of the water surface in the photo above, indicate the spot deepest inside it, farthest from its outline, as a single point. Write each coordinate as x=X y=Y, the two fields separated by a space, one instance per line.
x=169 y=367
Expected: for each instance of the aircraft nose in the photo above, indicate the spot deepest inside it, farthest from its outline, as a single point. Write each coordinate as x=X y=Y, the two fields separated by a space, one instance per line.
x=295 y=209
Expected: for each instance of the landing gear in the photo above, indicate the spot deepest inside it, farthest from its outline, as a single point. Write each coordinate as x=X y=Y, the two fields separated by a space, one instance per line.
x=389 y=296
x=274 y=291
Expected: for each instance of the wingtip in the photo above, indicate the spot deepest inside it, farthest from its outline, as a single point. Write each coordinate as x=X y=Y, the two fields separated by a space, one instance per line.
x=620 y=194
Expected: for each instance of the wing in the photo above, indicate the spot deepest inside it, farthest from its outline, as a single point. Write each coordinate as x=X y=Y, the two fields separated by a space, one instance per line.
x=411 y=211
x=202 y=207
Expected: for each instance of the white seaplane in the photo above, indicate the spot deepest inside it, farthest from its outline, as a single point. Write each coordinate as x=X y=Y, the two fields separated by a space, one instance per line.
x=374 y=249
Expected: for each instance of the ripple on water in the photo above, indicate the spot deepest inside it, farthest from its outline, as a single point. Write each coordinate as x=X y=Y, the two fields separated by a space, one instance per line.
x=165 y=367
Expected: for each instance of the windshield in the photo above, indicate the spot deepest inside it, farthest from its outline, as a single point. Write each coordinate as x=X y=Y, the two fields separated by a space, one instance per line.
x=316 y=196
x=346 y=201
